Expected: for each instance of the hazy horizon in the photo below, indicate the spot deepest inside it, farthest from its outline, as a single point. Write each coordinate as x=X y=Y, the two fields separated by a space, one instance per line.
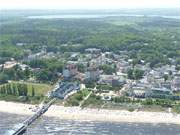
x=87 y=4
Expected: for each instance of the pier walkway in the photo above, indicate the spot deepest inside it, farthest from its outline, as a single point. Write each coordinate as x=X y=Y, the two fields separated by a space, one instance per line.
x=21 y=128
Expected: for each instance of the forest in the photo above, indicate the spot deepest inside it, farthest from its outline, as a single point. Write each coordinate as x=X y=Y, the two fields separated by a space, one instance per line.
x=153 y=39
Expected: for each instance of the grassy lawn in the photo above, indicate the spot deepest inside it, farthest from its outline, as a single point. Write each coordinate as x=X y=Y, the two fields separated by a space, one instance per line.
x=40 y=88
x=9 y=98
x=76 y=98
x=40 y=92
x=177 y=93
x=93 y=102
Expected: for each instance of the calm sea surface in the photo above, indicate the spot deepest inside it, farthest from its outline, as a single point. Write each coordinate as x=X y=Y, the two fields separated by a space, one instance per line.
x=55 y=126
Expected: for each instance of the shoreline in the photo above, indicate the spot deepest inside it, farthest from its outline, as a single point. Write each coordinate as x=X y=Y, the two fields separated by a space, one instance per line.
x=87 y=114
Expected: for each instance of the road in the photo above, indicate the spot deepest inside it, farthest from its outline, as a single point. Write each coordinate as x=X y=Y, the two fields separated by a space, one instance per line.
x=80 y=104
x=22 y=128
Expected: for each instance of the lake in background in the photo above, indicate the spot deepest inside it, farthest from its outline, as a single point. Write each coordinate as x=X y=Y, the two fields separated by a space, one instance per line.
x=81 y=16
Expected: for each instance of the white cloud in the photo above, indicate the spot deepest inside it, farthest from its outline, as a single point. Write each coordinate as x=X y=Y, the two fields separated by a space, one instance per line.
x=87 y=4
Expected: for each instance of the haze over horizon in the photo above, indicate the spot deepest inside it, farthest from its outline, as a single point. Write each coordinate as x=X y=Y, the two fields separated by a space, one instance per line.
x=87 y=4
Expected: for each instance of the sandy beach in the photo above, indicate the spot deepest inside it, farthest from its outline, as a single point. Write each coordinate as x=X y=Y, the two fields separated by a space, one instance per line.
x=76 y=113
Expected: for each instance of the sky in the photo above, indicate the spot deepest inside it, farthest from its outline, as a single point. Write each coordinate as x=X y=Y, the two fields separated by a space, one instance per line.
x=87 y=4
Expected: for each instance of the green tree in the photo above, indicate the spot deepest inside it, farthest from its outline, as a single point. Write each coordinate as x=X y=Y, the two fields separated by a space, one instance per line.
x=135 y=74
x=108 y=69
x=81 y=68
x=14 y=89
x=138 y=74
x=3 y=78
x=33 y=92
x=165 y=77
x=27 y=73
x=130 y=74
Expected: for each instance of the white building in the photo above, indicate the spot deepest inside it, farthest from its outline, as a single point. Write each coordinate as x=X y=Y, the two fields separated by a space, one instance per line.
x=1 y=66
x=176 y=84
x=93 y=50
x=9 y=64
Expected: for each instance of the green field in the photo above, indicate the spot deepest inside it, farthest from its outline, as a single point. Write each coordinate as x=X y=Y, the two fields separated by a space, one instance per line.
x=40 y=88
x=40 y=93
x=76 y=98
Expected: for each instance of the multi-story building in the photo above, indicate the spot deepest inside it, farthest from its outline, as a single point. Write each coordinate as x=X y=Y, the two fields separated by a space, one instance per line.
x=69 y=71
x=176 y=84
x=92 y=74
x=93 y=50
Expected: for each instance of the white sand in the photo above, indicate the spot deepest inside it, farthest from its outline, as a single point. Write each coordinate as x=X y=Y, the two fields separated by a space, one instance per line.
x=76 y=113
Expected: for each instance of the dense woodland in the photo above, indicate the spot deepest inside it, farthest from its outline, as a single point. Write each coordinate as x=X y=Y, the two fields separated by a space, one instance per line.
x=153 y=39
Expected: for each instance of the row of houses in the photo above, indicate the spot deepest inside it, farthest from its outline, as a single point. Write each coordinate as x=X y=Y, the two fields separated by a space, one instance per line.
x=94 y=58
x=163 y=90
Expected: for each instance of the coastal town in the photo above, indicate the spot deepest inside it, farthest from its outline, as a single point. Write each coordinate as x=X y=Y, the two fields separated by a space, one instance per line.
x=112 y=79
x=108 y=75
x=90 y=72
